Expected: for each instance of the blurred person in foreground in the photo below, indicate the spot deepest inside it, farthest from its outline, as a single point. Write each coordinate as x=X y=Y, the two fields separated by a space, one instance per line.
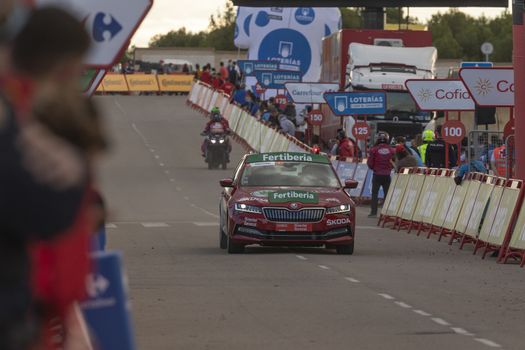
x=44 y=178
x=380 y=162
x=400 y=140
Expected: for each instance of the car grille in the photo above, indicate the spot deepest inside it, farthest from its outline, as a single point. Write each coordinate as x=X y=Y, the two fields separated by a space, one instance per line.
x=285 y=215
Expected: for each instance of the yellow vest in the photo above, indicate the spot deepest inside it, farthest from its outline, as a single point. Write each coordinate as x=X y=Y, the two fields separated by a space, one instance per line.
x=423 y=151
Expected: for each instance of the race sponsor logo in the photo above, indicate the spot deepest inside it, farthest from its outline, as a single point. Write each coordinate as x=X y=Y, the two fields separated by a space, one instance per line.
x=286 y=157
x=302 y=227
x=337 y=222
x=383 y=151
x=250 y=222
x=253 y=199
x=293 y=196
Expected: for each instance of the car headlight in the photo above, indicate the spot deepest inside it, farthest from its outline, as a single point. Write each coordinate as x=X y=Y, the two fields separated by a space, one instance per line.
x=213 y=141
x=221 y=141
x=343 y=208
x=247 y=208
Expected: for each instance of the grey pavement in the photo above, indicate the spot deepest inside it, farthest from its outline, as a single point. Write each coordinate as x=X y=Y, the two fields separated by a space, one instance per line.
x=398 y=291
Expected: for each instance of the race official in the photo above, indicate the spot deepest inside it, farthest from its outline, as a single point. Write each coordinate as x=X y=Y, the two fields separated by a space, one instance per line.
x=435 y=153
x=428 y=136
x=380 y=162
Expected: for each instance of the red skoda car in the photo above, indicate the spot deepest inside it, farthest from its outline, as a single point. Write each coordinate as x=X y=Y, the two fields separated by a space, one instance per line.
x=286 y=199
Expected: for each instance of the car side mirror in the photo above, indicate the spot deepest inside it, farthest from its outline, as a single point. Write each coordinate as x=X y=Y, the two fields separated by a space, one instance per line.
x=226 y=183
x=351 y=184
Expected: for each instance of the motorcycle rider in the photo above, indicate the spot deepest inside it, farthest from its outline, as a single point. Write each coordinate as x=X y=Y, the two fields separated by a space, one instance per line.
x=216 y=125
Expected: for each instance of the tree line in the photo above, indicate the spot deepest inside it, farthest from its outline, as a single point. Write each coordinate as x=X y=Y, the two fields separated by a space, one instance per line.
x=455 y=34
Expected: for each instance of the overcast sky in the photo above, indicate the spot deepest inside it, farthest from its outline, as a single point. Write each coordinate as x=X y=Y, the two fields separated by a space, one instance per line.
x=167 y=15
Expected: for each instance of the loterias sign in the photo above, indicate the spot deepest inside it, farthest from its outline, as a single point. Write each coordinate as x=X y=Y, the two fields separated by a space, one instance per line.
x=440 y=95
x=490 y=87
x=372 y=3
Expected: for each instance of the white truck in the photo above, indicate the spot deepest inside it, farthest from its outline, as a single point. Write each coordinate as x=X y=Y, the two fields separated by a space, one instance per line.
x=387 y=68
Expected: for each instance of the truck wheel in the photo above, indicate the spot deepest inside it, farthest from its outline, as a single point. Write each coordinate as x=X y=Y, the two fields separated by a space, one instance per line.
x=234 y=248
x=345 y=249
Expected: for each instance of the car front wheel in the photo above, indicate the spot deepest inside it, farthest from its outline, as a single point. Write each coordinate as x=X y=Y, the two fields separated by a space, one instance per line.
x=234 y=248
x=345 y=249
x=223 y=240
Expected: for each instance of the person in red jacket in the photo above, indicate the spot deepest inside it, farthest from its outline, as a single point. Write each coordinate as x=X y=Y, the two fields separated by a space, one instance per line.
x=205 y=75
x=380 y=162
x=227 y=87
x=345 y=148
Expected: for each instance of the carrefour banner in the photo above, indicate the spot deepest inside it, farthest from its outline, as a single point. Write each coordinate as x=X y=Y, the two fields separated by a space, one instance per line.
x=291 y=36
x=309 y=92
x=276 y=80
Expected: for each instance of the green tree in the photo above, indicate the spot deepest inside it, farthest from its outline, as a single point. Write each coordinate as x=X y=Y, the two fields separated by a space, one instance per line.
x=351 y=17
x=178 y=38
x=222 y=28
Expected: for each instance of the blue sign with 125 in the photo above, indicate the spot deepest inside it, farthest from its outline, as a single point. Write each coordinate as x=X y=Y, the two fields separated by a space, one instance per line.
x=276 y=80
x=356 y=103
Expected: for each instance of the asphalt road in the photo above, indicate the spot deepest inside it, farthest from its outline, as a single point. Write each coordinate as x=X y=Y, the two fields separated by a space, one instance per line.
x=397 y=291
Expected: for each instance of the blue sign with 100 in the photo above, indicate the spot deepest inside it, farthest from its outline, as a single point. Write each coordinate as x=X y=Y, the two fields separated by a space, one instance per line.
x=356 y=103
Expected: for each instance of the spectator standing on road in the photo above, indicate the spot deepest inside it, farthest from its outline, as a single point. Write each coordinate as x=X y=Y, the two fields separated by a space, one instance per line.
x=206 y=75
x=380 y=162
x=223 y=71
x=286 y=125
x=44 y=177
x=404 y=159
x=435 y=153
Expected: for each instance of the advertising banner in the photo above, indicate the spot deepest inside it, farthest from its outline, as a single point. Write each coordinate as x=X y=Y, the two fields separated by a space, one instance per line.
x=115 y=83
x=291 y=36
x=175 y=83
x=356 y=103
x=142 y=82
x=276 y=80
x=440 y=95
x=490 y=87
x=107 y=309
x=309 y=92
x=249 y=67
x=110 y=25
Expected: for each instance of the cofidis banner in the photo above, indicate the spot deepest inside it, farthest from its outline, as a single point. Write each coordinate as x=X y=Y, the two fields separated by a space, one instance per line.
x=291 y=36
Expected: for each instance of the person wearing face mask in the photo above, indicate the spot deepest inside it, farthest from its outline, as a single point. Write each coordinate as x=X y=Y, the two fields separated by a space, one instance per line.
x=44 y=179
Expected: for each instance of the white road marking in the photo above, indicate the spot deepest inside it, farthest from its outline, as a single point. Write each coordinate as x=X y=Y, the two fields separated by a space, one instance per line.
x=119 y=106
x=300 y=257
x=111 y=226
x=205 y=211
x=462 y=331
x=487 y=342
x=440 y=321
x=403 y=305
x=186 y=198
x=324 y=267
x=167 y=171
x=161 y=164
x=172 y=180
x=152 y=150
x=353 y=280
x=134 y=126
x=204 y=224
x=386 y=296
x=422 y=313
x=177 y=188
x=154 y=224
x=157 y=156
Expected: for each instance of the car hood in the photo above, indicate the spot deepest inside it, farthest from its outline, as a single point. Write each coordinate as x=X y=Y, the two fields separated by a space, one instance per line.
x=285 y=196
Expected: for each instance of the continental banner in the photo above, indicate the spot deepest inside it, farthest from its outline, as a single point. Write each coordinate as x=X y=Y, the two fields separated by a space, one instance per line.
x=142 y=82
x=114 y=83
x=175 y=83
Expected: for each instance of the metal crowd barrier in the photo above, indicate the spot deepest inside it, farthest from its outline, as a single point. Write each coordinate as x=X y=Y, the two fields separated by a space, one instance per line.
x=484 y=212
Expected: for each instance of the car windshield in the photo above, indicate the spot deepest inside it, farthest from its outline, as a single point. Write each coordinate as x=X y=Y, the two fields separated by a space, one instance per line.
x=293 y=174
